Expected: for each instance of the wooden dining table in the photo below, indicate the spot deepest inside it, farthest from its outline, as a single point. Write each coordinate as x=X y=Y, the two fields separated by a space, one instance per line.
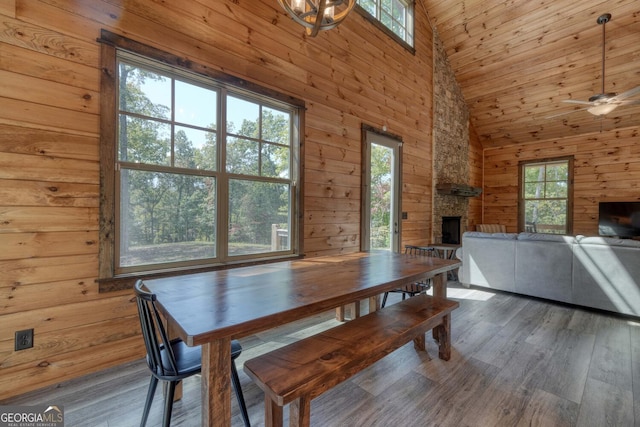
x=212 y=308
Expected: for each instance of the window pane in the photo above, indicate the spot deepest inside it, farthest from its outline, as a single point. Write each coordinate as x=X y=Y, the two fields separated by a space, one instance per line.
x=552 y=216
x=259 y=217
x=556 y=189
x=144 y=141
x=398 y=11
x=533 y=190
x=166 y=218
x=144 y=92
x=369 y=6
x=243 y=156
x=242 y=117
x=275 y=161
x=557 y=172
x=195 y=149
x=385 y=18
x=276 y=126
x=398 y=29
x=386 y=5
x=548 y=215
x=534 y=173
x=196 y=105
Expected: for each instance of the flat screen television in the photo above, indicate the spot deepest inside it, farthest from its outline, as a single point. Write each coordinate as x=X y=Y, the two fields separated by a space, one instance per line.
x=620 y=219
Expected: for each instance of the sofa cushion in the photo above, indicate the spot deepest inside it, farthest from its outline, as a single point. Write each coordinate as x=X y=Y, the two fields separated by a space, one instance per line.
x=543 y=237
x=544 y=266
x=483 y=235
x=609 y=241
x=488 y=259
x=606 y=274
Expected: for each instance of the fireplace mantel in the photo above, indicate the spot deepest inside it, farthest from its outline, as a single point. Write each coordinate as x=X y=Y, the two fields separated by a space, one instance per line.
x=461 y=190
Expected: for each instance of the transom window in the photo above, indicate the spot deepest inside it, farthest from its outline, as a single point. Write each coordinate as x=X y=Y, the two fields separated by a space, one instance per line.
x=396 y=15
x=546 y=196
x=204 y=172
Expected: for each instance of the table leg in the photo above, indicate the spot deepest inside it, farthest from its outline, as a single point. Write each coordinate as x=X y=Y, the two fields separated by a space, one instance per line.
x=374 y=303
x=354 y=310
x=354 y=307
x=216 y=383
x=440 y=285
x=272 y=413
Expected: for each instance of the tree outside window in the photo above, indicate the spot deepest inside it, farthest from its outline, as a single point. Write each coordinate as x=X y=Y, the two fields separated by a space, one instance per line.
x=394 y=15
x=183 y=178
x=545 y=196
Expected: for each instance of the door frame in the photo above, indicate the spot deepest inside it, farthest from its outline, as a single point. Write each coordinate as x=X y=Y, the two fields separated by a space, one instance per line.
x=380 y=137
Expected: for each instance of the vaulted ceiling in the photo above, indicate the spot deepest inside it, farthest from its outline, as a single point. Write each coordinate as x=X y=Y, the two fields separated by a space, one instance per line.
x=517 y=60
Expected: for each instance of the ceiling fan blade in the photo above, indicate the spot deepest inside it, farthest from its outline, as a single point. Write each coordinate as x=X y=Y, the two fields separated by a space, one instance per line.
x=566 y=112
x=625 y=95
x=575 y=101
x=630 y=102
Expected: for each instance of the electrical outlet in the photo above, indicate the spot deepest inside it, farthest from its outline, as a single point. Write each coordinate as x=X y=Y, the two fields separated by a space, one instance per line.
x=24 y=339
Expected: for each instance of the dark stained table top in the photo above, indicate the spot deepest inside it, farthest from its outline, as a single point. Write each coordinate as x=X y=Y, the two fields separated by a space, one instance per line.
x=241 y=301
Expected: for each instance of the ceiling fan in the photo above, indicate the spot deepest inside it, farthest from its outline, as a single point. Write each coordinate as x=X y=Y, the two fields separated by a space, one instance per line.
x=605 y=102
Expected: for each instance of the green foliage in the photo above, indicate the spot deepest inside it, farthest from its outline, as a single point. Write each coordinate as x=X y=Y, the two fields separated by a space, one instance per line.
x=171 y=206
x=545 y=193
x=381 y=181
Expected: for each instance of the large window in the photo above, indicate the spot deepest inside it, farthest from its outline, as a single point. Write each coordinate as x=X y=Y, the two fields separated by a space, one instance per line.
x=546 y=196
x=204 y=172
x=395 y=15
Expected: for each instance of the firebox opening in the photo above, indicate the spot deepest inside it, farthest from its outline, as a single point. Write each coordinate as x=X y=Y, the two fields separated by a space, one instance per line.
x=451 y=229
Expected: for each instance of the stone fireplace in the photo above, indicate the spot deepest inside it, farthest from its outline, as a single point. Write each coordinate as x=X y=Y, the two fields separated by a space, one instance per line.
x=451 y=150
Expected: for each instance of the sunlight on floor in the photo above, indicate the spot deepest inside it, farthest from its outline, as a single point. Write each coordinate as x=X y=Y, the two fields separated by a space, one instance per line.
x=456 y=291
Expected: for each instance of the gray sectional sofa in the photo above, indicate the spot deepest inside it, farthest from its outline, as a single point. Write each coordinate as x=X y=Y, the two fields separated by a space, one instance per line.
x=596 y=272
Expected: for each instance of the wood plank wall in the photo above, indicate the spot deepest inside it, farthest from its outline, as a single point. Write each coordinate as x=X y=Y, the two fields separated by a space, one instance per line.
x=475 y=178
x=606 y=168
x=49 y=133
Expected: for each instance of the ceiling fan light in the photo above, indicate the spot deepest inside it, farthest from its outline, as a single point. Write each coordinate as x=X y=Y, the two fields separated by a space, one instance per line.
x=602 y=109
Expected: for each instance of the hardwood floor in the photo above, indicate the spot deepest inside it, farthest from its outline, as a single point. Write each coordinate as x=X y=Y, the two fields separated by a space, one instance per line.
x=515 y=362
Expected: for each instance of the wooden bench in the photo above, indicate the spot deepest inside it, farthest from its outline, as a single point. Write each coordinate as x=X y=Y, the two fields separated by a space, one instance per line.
x=301 y=371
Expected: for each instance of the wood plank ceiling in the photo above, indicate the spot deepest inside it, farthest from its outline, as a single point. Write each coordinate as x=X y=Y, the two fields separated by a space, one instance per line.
x=517 y=60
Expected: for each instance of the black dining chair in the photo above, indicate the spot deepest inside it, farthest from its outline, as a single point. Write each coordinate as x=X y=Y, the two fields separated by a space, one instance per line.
x=172 y=360
x=416 y=288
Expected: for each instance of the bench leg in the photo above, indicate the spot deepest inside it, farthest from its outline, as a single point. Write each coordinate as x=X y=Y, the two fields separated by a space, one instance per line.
x=419 y=343
x=300 y=412
x=272 y=413
x=443 y=331
x=439 y=284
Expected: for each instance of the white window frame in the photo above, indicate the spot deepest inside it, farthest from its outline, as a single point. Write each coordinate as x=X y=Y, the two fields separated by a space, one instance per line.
x=408 y=33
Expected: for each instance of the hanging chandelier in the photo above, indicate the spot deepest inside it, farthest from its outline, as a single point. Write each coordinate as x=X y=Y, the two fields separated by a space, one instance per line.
x=317 y=15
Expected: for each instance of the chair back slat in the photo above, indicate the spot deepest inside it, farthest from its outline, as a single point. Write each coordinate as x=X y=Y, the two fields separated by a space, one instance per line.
x=155 y=336
x=491 y=228
x=418 y=250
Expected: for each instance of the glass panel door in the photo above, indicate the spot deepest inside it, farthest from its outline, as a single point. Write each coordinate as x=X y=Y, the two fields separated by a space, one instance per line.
x=381 y=193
